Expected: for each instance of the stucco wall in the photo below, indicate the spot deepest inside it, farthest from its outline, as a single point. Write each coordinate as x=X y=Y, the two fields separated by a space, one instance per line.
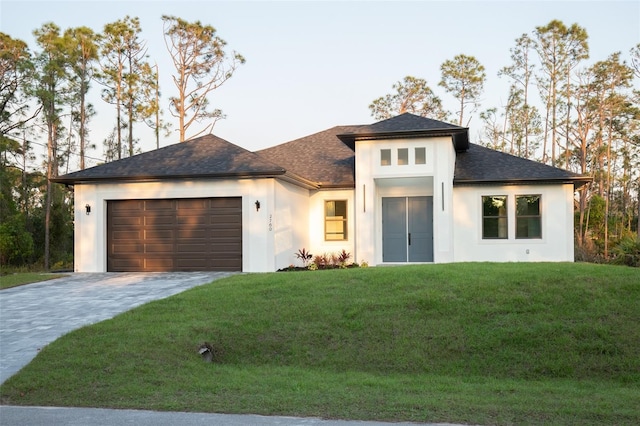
x=374 y=181
x=258 y=240
x=556 y=243
x=317 y=243
x=290 y=223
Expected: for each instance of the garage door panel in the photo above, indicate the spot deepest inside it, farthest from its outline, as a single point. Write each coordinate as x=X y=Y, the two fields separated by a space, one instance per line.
x=128 y=248
x=159 y=205
x=175 y=235
x=159 y=264
x=119 y=235
x=126 y=222
x=127 y=265
x=159 y=234
x=159 y=248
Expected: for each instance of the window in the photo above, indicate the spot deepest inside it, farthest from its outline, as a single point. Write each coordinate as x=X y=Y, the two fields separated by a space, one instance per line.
x=335 y=220
x=494 y=217
x=403 y=156
x=385 y=157
x=421 y=157
x=528 y=223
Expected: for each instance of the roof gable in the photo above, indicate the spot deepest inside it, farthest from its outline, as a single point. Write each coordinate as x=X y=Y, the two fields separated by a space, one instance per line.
x=408 y=125
x=206 y=156
x=481 y=165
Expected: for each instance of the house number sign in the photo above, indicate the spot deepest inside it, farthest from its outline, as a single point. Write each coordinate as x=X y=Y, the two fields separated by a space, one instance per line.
x=270 y=223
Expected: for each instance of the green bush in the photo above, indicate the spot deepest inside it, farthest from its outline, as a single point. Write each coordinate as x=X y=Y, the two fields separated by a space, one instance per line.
x=627 y=252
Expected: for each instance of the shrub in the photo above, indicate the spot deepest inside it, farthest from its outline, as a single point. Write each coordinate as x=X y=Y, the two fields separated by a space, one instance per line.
x=304 y=255
x=627 y=252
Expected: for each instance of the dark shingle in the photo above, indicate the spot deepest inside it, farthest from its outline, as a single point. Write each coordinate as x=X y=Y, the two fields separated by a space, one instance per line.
x=320 y=157
x=408 y=125
x=406 y=122
x=481 y=165
x=206 y=156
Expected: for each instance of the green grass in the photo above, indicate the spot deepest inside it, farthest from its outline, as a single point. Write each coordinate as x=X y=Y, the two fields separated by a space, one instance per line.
x=14 y=280
x=463 y=343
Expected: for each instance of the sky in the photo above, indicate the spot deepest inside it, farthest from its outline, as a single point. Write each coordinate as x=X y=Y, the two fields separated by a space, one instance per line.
x=312 y=65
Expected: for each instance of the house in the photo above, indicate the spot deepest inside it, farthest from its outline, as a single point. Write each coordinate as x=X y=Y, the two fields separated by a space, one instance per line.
x=404 y=190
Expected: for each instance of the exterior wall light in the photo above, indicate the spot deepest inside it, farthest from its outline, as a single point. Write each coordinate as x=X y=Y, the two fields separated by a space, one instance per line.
x=87 y=209
x=257 y=206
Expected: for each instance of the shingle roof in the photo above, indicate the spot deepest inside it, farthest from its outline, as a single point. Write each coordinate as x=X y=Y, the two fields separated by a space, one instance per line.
x=481 y=165
x=408 y=125
x=406 y=122
x=320 y=157
x=206 y=156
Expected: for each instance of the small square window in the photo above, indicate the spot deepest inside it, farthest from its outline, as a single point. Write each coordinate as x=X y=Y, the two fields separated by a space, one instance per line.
x=385 y=157
x=494 y=217
x=403 y=156
x=421 y=156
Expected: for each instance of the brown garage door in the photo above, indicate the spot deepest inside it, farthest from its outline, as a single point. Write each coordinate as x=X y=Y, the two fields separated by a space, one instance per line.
x=203 y=234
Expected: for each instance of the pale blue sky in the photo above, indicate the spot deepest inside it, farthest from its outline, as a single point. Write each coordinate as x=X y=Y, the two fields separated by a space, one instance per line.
x=314 y=65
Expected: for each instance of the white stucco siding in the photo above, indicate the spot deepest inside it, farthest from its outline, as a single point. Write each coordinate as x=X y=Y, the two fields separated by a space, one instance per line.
x=374 y=181
x=318 y=245
x=556 y=244
x=257 y=238
x=290 y=223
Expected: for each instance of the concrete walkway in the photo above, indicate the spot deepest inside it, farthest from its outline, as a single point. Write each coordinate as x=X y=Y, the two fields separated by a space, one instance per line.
x=34 y=315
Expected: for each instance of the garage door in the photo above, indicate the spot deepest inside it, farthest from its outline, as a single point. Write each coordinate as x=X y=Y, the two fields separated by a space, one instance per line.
x=203 y=234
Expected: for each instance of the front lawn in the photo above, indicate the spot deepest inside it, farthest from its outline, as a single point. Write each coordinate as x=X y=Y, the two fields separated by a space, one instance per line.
x=463 y=343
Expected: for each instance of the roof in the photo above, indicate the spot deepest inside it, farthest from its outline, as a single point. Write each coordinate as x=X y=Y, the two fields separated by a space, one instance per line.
x=206 y=156
x=481 y=165
x=408 y=125
x=321 y=160
x=320 y=157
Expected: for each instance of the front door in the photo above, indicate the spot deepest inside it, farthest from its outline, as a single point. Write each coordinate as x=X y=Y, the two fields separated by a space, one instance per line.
x=407 y=229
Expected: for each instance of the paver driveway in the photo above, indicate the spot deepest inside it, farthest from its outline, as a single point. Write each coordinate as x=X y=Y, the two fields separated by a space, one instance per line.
x=34 y=315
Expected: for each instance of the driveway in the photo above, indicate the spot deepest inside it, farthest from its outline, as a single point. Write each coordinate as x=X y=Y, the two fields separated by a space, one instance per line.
x=34 y=315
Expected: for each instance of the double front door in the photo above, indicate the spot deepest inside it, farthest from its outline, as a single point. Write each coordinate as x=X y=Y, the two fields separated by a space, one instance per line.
x=407 y=229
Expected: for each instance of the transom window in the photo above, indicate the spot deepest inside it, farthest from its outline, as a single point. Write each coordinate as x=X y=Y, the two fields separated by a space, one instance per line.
x=403 y=156
x=335 y=220
x=385 y=157
x=528 y=219
x=494 y=217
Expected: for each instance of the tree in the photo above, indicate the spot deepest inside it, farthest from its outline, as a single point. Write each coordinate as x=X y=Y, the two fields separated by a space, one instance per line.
x=83 y=56
x=411 y=95
x=523 y=118
x=202 y=65
x=52 y=87
x=16 y=74
x=464 y=78
x=560 y=49
x=117 y=40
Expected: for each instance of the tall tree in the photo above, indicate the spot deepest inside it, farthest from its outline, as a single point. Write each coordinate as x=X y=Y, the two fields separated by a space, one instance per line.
x=83 y=57
x=411 y=95
x=116 y=40
x=140 y=84
x=522 y=116
x=202 y=65
x=463 y=77
x=560 y=49
x=16 y=74
x=52 y=87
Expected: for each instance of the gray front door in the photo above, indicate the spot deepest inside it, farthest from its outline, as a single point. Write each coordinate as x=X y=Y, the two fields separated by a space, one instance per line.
x=407 y=229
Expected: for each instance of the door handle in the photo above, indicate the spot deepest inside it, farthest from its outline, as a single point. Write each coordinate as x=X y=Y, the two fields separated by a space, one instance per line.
x=409 y=238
